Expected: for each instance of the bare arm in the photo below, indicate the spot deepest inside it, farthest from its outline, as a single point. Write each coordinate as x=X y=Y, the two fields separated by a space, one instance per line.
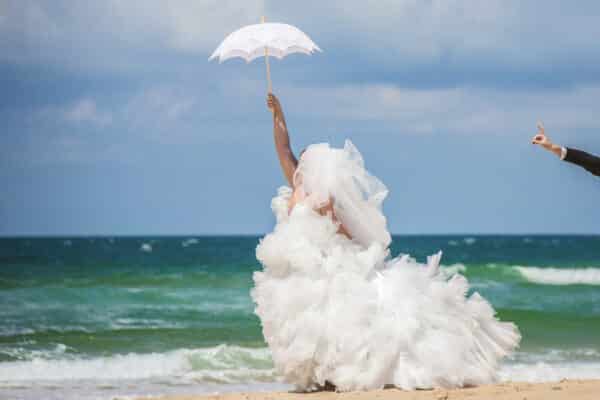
x=541 y=139
x=282 y=140
x=329 y=209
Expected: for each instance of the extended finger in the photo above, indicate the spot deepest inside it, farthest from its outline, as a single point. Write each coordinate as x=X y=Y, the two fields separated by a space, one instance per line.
x=540 y=126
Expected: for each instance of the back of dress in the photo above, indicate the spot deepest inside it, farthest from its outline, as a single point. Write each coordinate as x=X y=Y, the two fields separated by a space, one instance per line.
x=341 y=311
x=339 y=175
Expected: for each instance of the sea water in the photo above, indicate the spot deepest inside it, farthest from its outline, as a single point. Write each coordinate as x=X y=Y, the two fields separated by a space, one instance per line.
x=106 y=318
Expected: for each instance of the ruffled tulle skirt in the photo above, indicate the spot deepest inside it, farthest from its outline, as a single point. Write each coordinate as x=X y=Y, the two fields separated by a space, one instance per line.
x=336 y=311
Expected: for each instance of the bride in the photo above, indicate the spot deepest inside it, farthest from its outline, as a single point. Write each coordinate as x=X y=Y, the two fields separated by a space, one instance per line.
x=336 y=309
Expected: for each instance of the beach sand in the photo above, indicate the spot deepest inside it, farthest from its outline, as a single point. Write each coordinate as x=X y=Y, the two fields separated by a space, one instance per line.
x=563 y=390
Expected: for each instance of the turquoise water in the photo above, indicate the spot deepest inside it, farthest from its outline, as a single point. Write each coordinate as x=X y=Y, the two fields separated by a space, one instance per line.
x=173 y=314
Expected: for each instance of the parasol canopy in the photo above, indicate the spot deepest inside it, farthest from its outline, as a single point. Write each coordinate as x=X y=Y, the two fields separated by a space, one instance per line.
x=264 y=39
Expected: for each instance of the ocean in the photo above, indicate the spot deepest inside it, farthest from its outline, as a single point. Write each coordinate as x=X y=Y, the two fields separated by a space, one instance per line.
x=118 y=317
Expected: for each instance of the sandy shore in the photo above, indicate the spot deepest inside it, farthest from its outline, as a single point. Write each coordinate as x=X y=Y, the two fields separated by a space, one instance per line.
x=563 y=390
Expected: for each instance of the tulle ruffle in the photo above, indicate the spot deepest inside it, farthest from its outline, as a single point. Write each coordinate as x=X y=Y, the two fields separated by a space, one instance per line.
x=341 y=311
x=325 y=173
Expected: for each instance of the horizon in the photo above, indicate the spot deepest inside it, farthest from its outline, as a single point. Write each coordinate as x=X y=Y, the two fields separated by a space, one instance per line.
x=258 y=235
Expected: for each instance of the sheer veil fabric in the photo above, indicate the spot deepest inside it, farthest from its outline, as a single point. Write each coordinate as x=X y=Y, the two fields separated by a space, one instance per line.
x=328 y=174
x=343 y=311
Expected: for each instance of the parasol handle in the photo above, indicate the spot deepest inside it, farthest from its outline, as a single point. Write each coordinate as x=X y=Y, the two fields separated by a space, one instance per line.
x=269 y=84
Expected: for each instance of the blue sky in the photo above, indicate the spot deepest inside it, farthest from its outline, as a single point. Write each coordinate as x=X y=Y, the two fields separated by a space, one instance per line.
x=115 y=123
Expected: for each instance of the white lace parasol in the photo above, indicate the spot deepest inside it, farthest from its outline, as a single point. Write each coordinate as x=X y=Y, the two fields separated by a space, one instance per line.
x=264 y=39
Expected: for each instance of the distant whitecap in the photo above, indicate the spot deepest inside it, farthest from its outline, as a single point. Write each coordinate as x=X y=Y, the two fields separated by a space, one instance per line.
x=189 y=242
x=561 y=276
x=146 y=247
x=469 y=240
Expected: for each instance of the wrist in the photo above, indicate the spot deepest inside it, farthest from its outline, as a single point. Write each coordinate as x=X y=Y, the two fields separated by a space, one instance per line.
x=554 y=148
x=548 y=146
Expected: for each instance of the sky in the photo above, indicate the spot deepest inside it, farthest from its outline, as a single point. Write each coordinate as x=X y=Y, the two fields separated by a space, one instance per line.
x=115 y=123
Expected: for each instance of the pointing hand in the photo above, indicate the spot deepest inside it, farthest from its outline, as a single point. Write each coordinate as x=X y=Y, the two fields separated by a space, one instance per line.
x=540 y=137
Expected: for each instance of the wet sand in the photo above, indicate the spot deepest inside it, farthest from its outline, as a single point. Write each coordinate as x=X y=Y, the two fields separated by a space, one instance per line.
x=563 y=390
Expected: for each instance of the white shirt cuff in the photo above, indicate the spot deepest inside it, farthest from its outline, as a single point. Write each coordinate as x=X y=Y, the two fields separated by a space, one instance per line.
x=563 y=153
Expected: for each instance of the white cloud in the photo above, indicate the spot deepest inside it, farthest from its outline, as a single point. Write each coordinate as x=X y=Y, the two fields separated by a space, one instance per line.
x=397 y=109
x=188 y=25
x=101 y=32
x=457 y=110
x=85 y=110
x=70 y=147
x=494 y=33
x=159 y=107
x=180 y=116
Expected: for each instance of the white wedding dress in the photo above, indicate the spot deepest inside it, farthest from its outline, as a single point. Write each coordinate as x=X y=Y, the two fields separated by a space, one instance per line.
x=343 y=311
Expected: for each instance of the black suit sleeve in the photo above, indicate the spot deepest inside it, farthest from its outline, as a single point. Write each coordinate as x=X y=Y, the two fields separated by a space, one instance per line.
x=583 y=159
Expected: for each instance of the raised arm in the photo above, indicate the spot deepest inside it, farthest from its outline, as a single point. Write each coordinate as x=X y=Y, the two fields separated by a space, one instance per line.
x=585 y=160
x=544 y=141
x=282 y=140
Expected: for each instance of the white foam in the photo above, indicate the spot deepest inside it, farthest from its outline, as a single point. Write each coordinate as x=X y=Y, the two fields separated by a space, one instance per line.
x=14 y=331
x=220 y=364
x=146 y=247
x=23 y=353
x=453 y=269
x=129 y=390
x=189 y=242
x=222 y=369
x=549 y=372
x=560 y=276
x=469 y=240
x=147 y=323
x=584 y=354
